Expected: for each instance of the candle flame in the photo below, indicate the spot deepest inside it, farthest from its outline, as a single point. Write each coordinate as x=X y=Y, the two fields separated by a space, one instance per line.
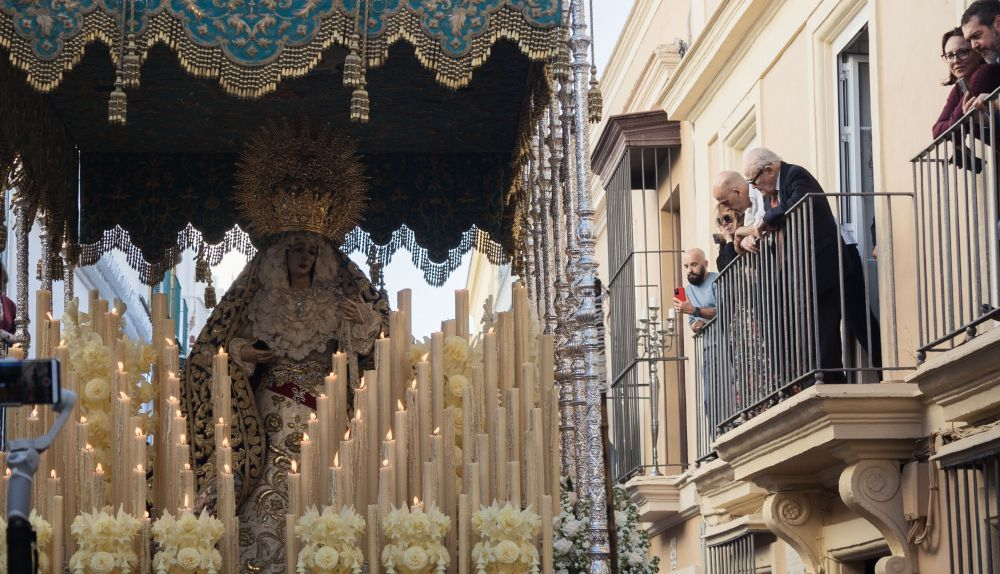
x=312 y=416
x=388 y=435
x=399 y=405
x=179 y=414
x=305 y=436
x=424 y=358
x=62 y=342
x=49 y=315
x=437 y=431
x=34 y=413
x=83 y=420
x=490 y=331
x=171 y=398
x=138 y=431
x=385 y=463
x=140 y=468
x=184 y=438
x=413 y=385
x=220 y=351
x=99 y=468
x=347 y=434
x=226 y=469
x=222 y=421
x=186 y=501
x=52 y=473
x=295 y=467
x=225 y=443
x=416 y=501
x=122 y=395
x=381 y=334
x=7 y=473
x=187 y=466
x=336 y=460
x=121 y=366
x=146 y=515
x=88 y=447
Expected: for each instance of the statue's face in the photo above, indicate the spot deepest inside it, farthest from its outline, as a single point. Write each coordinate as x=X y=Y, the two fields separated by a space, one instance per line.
x=301 y=258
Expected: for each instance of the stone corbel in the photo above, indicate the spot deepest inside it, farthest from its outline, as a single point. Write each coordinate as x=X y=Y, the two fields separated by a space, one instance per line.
x=871 y=488
x=797 y=519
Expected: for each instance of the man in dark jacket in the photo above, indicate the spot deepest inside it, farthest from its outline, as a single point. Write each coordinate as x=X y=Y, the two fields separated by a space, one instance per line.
x=783 y=185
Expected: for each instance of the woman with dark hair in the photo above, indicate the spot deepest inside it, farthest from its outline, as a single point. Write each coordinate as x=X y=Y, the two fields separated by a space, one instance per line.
x=965 y=67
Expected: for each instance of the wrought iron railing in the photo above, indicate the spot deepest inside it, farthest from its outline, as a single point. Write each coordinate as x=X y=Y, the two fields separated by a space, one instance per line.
x=778 y=326
x=735 y=556
x=972 y=496
x=955 y=188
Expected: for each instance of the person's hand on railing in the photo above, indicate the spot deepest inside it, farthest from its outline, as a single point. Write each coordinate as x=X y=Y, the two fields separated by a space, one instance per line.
x=698 y=325
x=980 y=102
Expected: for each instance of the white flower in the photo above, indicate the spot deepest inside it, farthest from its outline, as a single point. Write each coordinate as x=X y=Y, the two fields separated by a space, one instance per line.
x=635 y=558
x=562 y=546
x=102 y=562
x=415 y=558
x=572 y=528
x=457 y=384
x=456 y=352
x=621 y=517
x=96 y=390
x=326 y=558
x=188 y=558
x=507 y=552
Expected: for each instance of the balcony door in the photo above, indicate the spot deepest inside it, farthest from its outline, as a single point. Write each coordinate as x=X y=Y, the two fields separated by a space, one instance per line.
x=857 y=170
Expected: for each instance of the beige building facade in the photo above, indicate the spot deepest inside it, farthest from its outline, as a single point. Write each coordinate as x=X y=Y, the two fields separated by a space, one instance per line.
x=897 y=476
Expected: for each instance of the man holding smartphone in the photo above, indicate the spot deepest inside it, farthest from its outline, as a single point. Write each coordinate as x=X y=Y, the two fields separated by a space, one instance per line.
x=697 y=300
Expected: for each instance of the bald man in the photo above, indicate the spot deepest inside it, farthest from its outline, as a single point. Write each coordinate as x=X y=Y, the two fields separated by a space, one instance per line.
x=699 y=302
x=732 y=190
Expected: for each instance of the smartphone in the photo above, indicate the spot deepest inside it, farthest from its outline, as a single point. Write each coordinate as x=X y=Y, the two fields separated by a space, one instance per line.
x=963 y=85
x=34 y=382
x=679 y=293
x=718 y=239
x=260 y=346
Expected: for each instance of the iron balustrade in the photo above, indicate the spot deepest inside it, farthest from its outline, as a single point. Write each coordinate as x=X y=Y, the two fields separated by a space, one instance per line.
x=788 y=317
x=972 y=495
x=737 y=555
x=955 y=189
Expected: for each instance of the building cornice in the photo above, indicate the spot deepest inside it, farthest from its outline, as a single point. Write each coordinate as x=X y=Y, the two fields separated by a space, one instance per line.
x=642 y=129
x=711 y=51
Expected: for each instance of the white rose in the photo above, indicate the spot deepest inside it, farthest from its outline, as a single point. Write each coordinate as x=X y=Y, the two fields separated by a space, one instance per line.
x=415 y=558
x=507 y=552
x=572 y=528
x=96 y=390
x=102 y=562
x=621 y=517
x=562 y=546
x=456 y=352
x=635 y=558
x=326 y=558
x=188 y=558
x=457 y=385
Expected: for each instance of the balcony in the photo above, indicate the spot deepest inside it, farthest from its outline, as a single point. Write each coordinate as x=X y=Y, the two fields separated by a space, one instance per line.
x=955 y=185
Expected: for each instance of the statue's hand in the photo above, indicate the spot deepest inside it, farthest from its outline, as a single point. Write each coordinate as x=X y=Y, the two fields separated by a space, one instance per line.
x=248 y=354
x=353 y=311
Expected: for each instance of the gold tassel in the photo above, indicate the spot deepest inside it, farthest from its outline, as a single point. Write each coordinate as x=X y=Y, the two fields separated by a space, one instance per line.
x=560 y=67
x=57 y=268
x=210 y=301
x=202 y=272
x=117 y=105
x=359 y=104
x=131 y=64
x=352 y=63
x=594 y=98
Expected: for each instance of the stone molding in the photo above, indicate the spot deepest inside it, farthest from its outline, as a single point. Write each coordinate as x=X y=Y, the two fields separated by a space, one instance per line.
x=871 y=488
x=797 y=519
x=964 y=381
x=658 y=498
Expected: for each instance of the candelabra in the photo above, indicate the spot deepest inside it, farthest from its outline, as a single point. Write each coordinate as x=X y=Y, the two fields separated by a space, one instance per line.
x=651 y=341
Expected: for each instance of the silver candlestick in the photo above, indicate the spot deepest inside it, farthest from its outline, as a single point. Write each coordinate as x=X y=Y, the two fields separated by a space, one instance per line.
x=651 y=341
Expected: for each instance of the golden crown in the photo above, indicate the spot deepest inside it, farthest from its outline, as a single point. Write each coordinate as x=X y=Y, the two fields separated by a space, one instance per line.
x=300 y=179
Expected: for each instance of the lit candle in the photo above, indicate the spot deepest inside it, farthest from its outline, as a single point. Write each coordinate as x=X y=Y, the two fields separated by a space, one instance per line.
x=53 y=484
x=417 y=506
x=187 y=486
x=310 y=463
x=229 y=545
x=123 y=456
x=88 y=480
x=97 y=498
x=372 y=439
x=324 y=446
x=423 y=410
x=221 y=440
x=383 y=361
x=385 y=487
x=56 y=551
x=401 y=463
x=514 y=482
x=138 y=445
x=294 y=491
x=225 y=458
x=338 y=492
x=138 y=490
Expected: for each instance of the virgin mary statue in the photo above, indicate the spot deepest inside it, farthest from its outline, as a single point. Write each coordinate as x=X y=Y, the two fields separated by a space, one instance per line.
x=297 y=302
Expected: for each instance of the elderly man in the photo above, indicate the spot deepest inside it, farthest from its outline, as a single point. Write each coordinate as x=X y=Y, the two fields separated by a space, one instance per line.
x=732 y=190
x=782 y=186
x=699 y=303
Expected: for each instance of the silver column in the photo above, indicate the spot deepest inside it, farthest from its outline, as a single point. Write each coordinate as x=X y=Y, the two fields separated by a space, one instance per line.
x=585 y=267
x=22 y=335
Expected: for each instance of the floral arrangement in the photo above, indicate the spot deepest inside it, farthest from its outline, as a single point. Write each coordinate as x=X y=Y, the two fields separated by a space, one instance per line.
x=331 y=541
x=414 y=541
x=569 y=548
x=43 y=535
x=187 y=544
x=633 y=540
x=92 y=361
x=104 y=543
x=506 y=540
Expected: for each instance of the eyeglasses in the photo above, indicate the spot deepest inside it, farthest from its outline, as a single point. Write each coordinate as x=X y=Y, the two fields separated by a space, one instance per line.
x=753 y=180
x=957 y=55
x=725 y=219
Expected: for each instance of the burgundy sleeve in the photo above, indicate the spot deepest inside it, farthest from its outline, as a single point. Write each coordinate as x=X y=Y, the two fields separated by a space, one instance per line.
x=948 y=118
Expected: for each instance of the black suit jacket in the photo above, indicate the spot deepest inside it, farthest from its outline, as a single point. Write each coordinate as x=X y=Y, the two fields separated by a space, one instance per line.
x=796 y=183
